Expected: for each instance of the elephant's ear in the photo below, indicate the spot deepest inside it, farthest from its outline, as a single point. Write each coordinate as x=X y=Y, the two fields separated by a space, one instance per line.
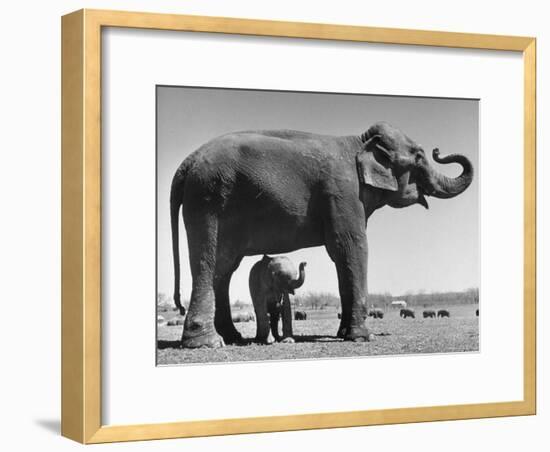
x=373 y=172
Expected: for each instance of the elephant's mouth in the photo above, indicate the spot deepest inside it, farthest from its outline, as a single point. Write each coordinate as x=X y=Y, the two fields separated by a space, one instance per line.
x=422 y=198
x=417 y=189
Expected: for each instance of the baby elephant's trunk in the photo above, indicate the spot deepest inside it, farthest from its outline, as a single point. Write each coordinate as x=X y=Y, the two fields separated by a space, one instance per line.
x=301 y=278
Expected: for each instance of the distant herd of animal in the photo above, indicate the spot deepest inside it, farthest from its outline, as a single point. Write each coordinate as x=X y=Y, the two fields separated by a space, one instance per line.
x=429 y=313
x=374 y=313
x=407 y=312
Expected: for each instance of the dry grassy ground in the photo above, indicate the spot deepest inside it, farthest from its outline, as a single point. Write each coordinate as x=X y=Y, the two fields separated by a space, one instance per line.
x=316 y=338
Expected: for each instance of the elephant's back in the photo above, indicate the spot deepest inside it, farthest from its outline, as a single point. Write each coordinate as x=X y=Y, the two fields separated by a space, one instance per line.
x=272 y=147
x=254 y=165
x=281 y=134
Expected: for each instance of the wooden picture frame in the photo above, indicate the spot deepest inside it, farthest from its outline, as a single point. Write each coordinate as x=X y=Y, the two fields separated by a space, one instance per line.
x=81 y=220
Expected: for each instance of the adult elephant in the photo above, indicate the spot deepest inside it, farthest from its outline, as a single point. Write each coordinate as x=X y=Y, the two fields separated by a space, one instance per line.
x=271 y=281
x=258 y=192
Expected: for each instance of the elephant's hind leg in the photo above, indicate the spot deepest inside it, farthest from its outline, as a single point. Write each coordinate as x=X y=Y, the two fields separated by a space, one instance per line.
x=199 y=329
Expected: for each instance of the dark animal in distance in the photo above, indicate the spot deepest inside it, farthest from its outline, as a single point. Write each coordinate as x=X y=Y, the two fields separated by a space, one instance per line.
x=477 y=312
x=429 y=313
x=443 y=313
x=300 y=315
x=339 y=315
x=376 y=313
x=239 y=317
x=406 y=313
x=175 y=321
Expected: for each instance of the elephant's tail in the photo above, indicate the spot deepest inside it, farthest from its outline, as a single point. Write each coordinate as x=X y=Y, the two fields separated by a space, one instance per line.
x=176 y=199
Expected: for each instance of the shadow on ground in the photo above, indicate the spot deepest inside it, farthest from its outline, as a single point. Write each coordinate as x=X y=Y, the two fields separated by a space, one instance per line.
x=161 y=345
x=312 y=338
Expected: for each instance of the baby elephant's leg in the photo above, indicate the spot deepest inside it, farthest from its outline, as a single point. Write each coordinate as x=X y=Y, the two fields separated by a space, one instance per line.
x=262 y=320
x=274 y=315
x=287 y=320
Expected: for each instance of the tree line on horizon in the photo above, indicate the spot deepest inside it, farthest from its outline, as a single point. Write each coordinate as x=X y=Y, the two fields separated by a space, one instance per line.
x=315 y=300
x=326 y=300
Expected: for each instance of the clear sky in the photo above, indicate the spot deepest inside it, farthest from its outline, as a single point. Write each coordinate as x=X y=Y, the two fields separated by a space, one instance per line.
x=410 y=249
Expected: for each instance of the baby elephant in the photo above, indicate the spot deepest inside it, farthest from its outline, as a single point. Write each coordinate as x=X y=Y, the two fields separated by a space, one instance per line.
x=443 y=313
x=271 y=281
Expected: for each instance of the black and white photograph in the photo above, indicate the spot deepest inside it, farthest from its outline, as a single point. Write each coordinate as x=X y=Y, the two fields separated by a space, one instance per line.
x=312 y=225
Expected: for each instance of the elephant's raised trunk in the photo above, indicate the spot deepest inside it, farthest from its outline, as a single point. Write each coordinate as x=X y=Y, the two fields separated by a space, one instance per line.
x=301 y=277
x=448 y=187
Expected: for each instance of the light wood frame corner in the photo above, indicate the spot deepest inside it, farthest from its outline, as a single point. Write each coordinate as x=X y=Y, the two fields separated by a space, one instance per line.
x=81 y=219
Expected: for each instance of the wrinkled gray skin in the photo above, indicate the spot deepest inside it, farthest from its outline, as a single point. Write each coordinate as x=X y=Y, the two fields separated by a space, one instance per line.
x=271 y=281
x=273 y=192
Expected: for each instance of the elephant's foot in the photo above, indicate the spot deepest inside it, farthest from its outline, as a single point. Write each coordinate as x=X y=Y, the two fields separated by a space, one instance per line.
x=288 y=340
x=264 y=341
x=210 y=339
x=227 y=330
x=232 y=337
x=341 y=332
x=358 y=334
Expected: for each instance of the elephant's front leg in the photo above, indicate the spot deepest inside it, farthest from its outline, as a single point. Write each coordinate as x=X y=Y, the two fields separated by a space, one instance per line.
x=286 y=312
x=348 y=250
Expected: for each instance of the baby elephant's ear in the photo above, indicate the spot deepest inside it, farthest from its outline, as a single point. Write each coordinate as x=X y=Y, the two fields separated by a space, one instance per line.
x=371 y=171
